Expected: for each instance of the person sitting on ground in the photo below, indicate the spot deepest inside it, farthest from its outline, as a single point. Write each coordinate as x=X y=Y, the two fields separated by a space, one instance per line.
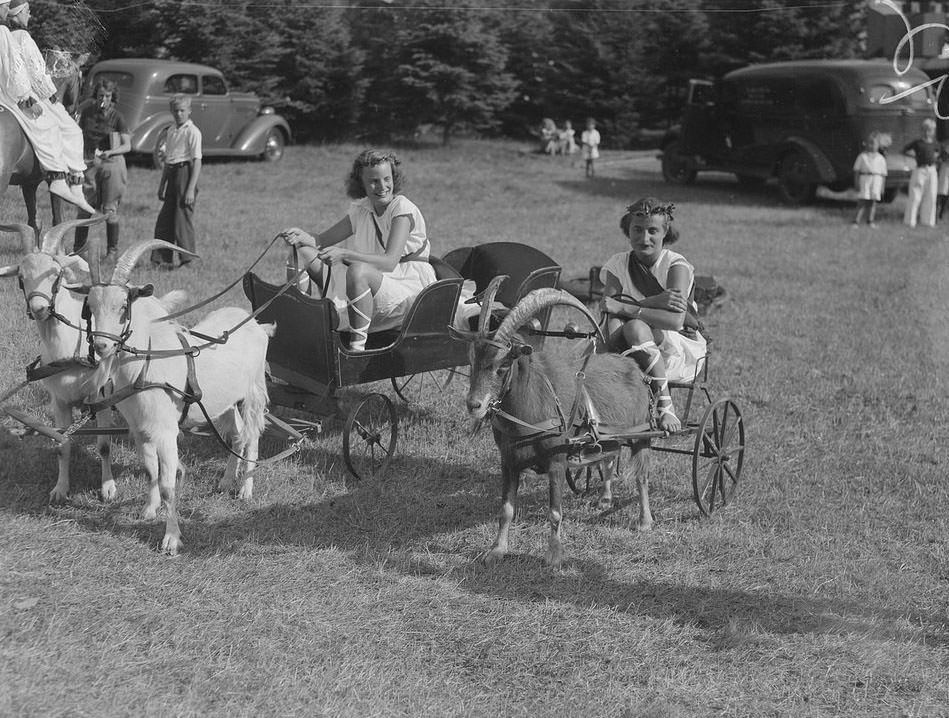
x=55 y=136
x=568 y=141
x=657 y=325
x=374 y=261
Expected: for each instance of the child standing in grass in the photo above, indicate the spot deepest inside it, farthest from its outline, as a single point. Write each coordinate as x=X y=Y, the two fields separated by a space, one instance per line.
x=374 y=261
x=869 y=173
x=921 y=205
x=655 y=322
x=178 y=188
x=590 y=142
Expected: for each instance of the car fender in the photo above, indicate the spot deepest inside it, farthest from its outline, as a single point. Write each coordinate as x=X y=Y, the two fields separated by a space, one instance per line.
x=825 y=170
x=146 y=134
x=253 y=137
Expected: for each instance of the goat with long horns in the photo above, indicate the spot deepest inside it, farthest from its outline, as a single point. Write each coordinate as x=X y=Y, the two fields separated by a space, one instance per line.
x=536 y=404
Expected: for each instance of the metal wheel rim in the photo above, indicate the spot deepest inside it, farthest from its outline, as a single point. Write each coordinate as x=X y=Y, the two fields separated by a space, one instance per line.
x=675 y=168
x=273 y=149
x=718 y=455
x=370 y=436
x=411 y=388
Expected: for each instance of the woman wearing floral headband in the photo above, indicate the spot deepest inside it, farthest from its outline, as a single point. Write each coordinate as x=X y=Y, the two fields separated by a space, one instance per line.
x=651 y=315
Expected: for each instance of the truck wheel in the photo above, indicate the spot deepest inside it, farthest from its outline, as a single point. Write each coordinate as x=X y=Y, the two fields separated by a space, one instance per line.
x=795 y=179
x=273 y=147
x=159 y=153
x=676 y=167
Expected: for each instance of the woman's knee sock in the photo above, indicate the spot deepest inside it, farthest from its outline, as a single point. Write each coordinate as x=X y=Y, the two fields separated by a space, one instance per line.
x=649 y=360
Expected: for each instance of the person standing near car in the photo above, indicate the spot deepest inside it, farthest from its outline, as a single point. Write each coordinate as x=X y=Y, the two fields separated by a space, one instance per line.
x=178 y=188
x=106 y=141
x=921 y=204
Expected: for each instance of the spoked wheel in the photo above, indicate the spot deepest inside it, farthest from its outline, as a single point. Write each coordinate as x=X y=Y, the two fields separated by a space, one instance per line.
x=370 y=436
x=718 y=455
x=413 y=387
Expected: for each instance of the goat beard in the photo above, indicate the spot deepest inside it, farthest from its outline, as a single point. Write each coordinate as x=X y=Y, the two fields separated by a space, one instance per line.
x=477 y=424
x=99 y=378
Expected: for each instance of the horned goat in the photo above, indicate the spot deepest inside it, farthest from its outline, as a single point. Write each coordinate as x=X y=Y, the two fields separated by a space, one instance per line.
x=528 y=394
x=230 y=376
x=45 y=273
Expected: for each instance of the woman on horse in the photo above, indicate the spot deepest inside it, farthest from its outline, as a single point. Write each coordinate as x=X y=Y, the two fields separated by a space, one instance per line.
x=29 y=93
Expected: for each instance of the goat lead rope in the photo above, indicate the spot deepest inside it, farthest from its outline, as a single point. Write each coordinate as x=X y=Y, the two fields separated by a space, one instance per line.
x=224 y=291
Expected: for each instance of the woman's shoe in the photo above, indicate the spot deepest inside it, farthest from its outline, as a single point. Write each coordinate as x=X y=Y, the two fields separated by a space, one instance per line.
x=59 y=188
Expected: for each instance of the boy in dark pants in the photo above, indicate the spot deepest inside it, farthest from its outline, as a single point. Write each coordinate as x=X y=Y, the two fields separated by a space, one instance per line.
x=179 y=184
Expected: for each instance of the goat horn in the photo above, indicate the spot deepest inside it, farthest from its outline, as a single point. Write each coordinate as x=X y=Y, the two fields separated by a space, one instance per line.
x=27 y=235
x=126 y=263
x=93 y=252
x=487 y=299
x=534 y=302
x=52 y=242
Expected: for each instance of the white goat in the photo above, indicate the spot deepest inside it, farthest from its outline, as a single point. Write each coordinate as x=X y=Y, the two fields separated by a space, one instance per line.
x=230 y=375
x=45 y=272
x=528 y=396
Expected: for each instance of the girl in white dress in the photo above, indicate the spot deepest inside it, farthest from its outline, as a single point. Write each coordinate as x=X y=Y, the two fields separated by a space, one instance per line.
x=374 y=261
x=656 y=321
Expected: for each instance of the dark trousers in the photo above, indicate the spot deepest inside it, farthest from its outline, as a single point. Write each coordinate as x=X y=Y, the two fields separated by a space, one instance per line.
x=175 y=222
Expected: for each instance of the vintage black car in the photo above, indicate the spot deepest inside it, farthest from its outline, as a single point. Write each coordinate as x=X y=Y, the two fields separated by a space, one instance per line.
x=800 y=122
x=234 y=124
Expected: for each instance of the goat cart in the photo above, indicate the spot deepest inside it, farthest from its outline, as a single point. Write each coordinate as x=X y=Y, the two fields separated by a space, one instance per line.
x=712 y=434
x=309 y=361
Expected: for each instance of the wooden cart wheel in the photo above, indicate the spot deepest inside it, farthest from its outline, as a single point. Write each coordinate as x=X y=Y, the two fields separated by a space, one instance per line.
x=370 y=436
x=718 y=455
x=412 y=388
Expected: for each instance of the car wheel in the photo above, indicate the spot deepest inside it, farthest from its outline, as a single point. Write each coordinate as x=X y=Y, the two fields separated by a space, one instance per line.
x=159 y=153
x=676 y=167
x=796 y=178
x=273 y=147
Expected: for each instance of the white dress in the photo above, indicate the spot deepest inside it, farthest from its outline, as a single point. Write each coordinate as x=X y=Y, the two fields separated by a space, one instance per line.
x=400 y=286
x=43 y=132
x=681 y=354
x=871 y=169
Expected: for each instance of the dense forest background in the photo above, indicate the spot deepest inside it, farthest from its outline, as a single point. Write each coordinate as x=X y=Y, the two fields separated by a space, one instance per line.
x=380 y=69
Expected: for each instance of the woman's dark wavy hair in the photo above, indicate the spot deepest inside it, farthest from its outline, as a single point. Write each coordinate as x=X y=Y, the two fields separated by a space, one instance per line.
x=108 y=86
x=371 y=158
x=646 y=207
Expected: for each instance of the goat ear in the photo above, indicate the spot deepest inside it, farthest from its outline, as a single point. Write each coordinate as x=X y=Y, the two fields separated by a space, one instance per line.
x=146 y=290
x=10 y=270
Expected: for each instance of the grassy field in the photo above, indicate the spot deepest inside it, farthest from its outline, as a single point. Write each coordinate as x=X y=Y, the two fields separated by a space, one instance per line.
x=821 y=592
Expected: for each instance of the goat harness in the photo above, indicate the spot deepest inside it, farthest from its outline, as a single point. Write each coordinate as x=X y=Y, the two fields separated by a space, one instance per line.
x=580 y=431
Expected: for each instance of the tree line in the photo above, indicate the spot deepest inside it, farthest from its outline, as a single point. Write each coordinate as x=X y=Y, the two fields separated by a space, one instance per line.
x=378 y=69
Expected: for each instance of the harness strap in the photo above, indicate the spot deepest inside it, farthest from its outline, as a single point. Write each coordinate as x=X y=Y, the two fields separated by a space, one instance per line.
x=411 y=256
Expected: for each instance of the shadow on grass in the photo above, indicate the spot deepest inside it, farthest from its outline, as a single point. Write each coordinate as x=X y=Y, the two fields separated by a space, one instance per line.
x=377 y=522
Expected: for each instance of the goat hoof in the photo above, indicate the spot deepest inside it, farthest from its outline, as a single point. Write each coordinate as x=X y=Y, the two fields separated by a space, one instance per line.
x=604 y=504
x=170 y=545
x=554 y=559
x=149 y=514
x=490 y=557
x=57 y=496
x=108 y=491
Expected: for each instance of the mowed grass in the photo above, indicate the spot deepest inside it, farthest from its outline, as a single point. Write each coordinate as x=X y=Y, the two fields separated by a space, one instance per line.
x=821 y=591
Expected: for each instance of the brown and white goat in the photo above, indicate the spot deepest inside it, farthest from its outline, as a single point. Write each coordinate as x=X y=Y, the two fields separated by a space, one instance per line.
x=230 y=375
x=45 y=273
x=536 y=388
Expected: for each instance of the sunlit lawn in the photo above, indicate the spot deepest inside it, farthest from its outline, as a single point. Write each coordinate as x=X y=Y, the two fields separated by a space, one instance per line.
x=821 y=591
